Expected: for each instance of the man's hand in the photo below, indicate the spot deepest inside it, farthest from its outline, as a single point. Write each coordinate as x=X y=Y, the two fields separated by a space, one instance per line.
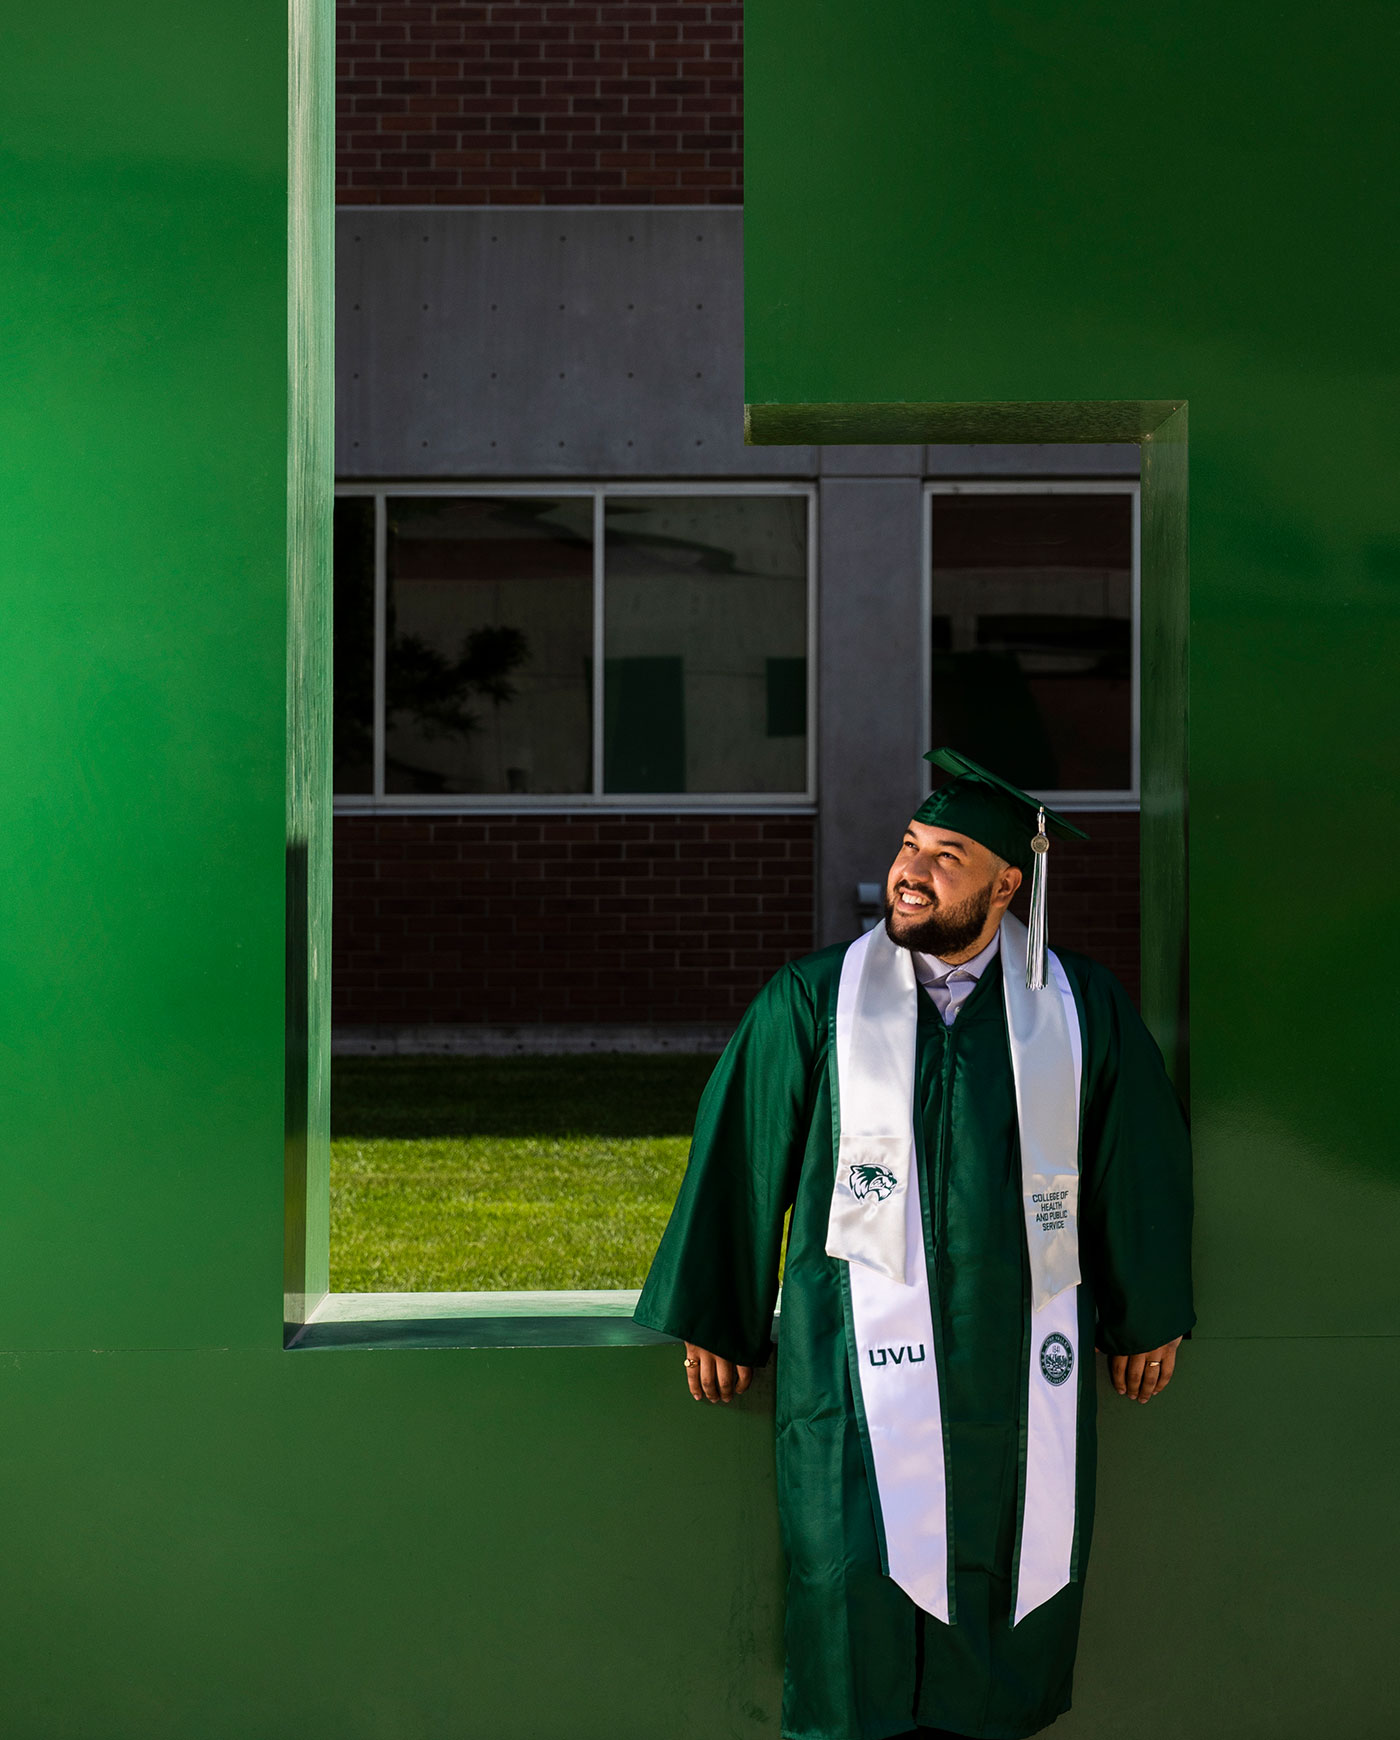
x=713 y=1379
x=1140 y=1376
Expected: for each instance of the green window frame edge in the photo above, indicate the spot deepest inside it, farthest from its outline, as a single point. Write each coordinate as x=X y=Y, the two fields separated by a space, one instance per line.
x=379 y=1321
x=310 y=495
x=373 y=1322
x=1159 y=428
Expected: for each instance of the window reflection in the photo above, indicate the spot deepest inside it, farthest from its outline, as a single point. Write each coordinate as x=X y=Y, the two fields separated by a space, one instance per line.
x=489 y=636
x=705 y=673
x=1032 y=636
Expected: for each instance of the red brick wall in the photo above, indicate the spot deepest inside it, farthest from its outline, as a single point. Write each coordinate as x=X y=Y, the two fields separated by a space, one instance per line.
x=635 y=918
x=514 y=104
x=584 y=918
x=1094 y=894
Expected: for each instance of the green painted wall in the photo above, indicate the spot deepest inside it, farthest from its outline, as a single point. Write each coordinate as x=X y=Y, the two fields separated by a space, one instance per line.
x=144 y=422
x=965 y=220
x=203 y=1535
x=382 y=1546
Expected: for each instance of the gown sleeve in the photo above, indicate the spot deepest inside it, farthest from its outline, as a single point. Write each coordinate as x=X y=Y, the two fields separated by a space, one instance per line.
x=714 y=1280
x=1135 y=1217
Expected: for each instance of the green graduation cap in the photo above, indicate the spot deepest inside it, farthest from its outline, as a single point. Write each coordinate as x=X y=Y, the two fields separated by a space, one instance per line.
x=1001 y=817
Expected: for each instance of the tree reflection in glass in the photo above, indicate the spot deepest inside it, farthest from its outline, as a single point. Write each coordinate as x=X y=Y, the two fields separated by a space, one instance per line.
x=489 y=637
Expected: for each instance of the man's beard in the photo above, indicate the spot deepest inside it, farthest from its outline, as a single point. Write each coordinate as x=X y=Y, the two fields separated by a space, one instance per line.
x=946 y=930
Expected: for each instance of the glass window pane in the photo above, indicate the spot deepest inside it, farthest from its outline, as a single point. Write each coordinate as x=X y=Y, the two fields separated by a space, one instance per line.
x=705 y=676
x=353 y=672
x=1033 y=636
x=489 y=645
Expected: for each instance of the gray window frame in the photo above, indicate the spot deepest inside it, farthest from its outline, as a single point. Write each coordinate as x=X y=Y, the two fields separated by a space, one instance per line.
x=380 y=802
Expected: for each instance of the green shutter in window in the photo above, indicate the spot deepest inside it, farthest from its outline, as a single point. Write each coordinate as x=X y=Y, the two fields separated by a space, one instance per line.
x=786 y=683
x=644 y=725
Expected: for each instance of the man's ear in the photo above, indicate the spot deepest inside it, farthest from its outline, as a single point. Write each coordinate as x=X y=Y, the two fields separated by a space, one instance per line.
x=1010 y=880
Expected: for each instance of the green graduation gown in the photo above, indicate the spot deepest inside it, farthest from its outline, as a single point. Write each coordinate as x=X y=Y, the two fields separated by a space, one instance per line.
x=863 y=1662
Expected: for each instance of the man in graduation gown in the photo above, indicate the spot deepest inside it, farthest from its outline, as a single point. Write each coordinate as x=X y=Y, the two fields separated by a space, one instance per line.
x=988 y=1175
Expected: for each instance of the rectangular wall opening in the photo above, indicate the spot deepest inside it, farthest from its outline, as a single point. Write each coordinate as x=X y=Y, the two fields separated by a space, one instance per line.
x=1094 y=636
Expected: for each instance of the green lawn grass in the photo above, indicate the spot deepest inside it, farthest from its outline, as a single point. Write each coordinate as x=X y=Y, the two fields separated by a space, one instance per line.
x=451 y=1174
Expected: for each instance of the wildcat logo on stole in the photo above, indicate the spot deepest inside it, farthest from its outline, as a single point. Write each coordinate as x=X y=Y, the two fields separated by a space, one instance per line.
x=877 y=1181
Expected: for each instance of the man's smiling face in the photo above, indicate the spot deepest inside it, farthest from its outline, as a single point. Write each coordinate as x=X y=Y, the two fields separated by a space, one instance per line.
x=945 y=893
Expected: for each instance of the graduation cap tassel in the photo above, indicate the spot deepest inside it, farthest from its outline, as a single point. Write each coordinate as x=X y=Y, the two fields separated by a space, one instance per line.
x=1035 y=933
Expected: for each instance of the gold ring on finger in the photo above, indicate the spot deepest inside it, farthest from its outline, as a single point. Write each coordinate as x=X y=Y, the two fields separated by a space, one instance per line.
x=691 y=1362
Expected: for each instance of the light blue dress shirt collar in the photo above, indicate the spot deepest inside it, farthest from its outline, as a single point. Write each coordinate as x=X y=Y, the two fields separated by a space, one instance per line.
x=950 y=986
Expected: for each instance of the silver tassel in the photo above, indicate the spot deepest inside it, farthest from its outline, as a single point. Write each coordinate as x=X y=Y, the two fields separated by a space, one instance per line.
x=1035 y=932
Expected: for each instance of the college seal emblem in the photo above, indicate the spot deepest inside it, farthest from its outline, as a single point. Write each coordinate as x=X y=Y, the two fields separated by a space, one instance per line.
x=1056 y=1359
x=877 y=1181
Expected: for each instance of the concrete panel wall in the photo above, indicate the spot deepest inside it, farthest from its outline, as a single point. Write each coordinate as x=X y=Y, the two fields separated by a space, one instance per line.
x=482 y=343
x=1025 y=459
x=870 y=695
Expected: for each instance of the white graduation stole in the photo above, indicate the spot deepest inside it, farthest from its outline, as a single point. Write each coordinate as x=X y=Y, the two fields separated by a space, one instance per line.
x=876 y=1228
